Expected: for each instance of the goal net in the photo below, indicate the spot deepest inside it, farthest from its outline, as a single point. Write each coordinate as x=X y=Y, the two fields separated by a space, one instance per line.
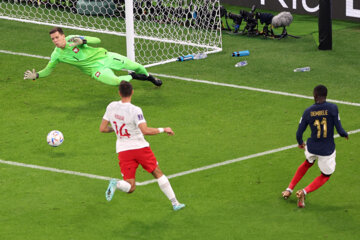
x=157 y=31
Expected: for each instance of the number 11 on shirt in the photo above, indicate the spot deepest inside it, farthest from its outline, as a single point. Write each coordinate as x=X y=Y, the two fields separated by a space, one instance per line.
x=318 y=124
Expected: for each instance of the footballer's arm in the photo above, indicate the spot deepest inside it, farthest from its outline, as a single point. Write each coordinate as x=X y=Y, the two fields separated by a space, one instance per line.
x=105 y=127
x=43 y=73
x=92 y=40
x=153 y=131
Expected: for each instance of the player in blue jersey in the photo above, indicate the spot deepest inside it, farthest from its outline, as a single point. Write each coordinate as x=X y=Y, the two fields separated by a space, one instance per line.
x=321 y=117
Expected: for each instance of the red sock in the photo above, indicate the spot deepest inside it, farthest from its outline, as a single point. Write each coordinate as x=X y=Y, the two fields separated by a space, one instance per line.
x=299 y=174
x=318 y=182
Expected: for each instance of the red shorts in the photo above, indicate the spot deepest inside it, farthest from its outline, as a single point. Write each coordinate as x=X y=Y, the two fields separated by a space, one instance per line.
x=130 y=160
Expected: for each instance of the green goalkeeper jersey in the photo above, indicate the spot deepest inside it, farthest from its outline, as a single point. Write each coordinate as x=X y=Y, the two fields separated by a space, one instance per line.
x=86 y=58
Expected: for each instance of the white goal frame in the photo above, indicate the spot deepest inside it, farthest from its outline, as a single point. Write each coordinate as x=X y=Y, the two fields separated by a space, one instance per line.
x=132 y=36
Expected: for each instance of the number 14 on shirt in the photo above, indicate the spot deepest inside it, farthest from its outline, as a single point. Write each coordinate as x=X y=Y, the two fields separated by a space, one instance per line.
x=122 y=132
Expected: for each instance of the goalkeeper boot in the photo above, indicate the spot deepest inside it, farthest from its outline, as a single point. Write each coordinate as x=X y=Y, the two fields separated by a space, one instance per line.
x=178 y=206
x=111 y=189
x=286 y=194
x=155 y=81
x=301 y=198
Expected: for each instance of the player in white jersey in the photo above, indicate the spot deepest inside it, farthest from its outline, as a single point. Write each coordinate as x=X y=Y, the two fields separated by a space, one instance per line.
x=129 y=124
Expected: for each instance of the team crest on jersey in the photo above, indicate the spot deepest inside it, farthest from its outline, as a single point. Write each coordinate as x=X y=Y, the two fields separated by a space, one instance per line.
x=140 y=117
x=75 y=50
x=97 y=74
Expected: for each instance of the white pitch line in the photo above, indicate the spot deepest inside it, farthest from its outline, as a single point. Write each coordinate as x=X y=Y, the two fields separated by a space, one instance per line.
x=220 y=164
x=54 y=170
x=232 y=161
x=212 y=83
x=24 y=54
x=253 y=89
x=154 y=180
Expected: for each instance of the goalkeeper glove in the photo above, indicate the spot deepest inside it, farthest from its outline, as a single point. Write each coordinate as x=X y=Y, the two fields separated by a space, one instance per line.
x=31 y=74
x=76 y=41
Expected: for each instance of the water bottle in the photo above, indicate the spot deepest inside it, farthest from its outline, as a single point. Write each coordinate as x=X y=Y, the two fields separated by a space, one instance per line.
x=185 y=58
x=303 y=69
x=200 y=56
x=241 y=53
x=241 y=64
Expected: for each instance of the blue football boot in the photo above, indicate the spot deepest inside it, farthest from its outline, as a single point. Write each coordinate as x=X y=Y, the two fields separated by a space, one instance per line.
x=178 y=206
x=110 y=190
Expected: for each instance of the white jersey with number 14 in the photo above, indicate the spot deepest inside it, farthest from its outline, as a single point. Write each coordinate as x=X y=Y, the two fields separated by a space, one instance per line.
x=124 y=119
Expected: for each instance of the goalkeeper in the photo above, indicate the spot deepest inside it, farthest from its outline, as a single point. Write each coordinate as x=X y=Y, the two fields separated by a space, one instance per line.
x=95 y=62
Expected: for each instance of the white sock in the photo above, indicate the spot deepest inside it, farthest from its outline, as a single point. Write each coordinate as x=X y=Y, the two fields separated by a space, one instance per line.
x=165 y=186
x=123 y=186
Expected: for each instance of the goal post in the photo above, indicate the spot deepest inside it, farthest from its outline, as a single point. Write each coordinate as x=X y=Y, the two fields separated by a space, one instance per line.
x=156 y=31
x=129 y=18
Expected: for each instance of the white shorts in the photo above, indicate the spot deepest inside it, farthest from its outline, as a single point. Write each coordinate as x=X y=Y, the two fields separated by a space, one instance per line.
x=326 y=163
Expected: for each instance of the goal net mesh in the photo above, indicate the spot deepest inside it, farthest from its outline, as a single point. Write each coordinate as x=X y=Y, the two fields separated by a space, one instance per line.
x=163 y=29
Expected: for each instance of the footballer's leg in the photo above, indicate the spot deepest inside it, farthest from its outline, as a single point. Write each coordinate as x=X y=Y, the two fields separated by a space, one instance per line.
x=154 y=80
x=151 y=78
x=140 y=73
x=166 y=188
x=107 y=76
x=318 y=182
x=300 y=172
x=148 y=161
x=327 y=167
x=127 y=186
x=120 y=62
x=128 y=169
x=128 y=166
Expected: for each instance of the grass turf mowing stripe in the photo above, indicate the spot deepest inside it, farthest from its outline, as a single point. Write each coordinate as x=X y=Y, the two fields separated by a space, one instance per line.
x=212 y=83
x=169 y=176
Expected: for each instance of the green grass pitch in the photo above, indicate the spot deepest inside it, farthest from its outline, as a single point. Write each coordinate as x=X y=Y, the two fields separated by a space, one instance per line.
x=212 y=124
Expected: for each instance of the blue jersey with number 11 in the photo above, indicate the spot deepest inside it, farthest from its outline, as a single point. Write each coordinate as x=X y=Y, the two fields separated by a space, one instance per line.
x=321 y=117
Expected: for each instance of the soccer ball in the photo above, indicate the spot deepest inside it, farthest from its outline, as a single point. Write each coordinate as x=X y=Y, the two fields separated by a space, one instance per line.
x=55 y=138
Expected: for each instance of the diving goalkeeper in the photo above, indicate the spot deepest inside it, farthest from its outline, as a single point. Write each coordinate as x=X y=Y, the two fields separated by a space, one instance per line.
x=95 y=62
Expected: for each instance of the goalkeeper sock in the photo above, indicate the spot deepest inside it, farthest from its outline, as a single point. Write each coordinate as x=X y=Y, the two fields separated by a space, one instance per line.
x=318 y=182
x=300 y=173
x=139 y=76
x=123 y=186
x=151 y=78
x=165 y=186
